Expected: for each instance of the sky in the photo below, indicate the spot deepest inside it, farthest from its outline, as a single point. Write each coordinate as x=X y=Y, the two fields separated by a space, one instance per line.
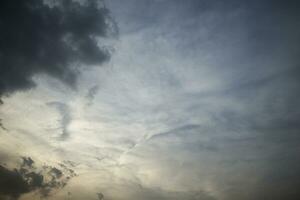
x=149 y=99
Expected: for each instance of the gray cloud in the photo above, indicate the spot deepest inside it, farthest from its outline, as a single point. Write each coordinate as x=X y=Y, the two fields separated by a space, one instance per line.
x=2 y=126
x=55 y=39
x=91 y=94
x=159 y=194
x=100 y=196
x=66 y=118
x=137 y=191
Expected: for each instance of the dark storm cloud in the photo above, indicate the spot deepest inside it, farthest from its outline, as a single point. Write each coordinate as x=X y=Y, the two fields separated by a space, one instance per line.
x=55 y=39
x=14 y=183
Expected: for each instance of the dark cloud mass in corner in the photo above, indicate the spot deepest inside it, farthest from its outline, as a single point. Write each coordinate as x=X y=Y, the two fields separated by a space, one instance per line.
x=12 y=183
x=55 y=38
x=28 y=178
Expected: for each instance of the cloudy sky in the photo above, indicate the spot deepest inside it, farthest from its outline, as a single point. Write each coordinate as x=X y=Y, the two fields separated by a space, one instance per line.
x=149 y=99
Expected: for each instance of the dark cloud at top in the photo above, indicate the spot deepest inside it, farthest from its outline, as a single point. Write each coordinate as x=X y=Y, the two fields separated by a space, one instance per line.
x=55 y=38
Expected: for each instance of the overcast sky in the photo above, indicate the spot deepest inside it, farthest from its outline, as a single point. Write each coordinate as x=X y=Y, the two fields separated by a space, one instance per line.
x=150 y=99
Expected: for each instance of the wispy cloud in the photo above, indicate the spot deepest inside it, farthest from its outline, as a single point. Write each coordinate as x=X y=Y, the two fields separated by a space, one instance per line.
x=66 y=118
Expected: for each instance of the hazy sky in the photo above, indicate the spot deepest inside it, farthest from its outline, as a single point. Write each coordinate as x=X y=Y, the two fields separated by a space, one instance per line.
x=150 y=99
